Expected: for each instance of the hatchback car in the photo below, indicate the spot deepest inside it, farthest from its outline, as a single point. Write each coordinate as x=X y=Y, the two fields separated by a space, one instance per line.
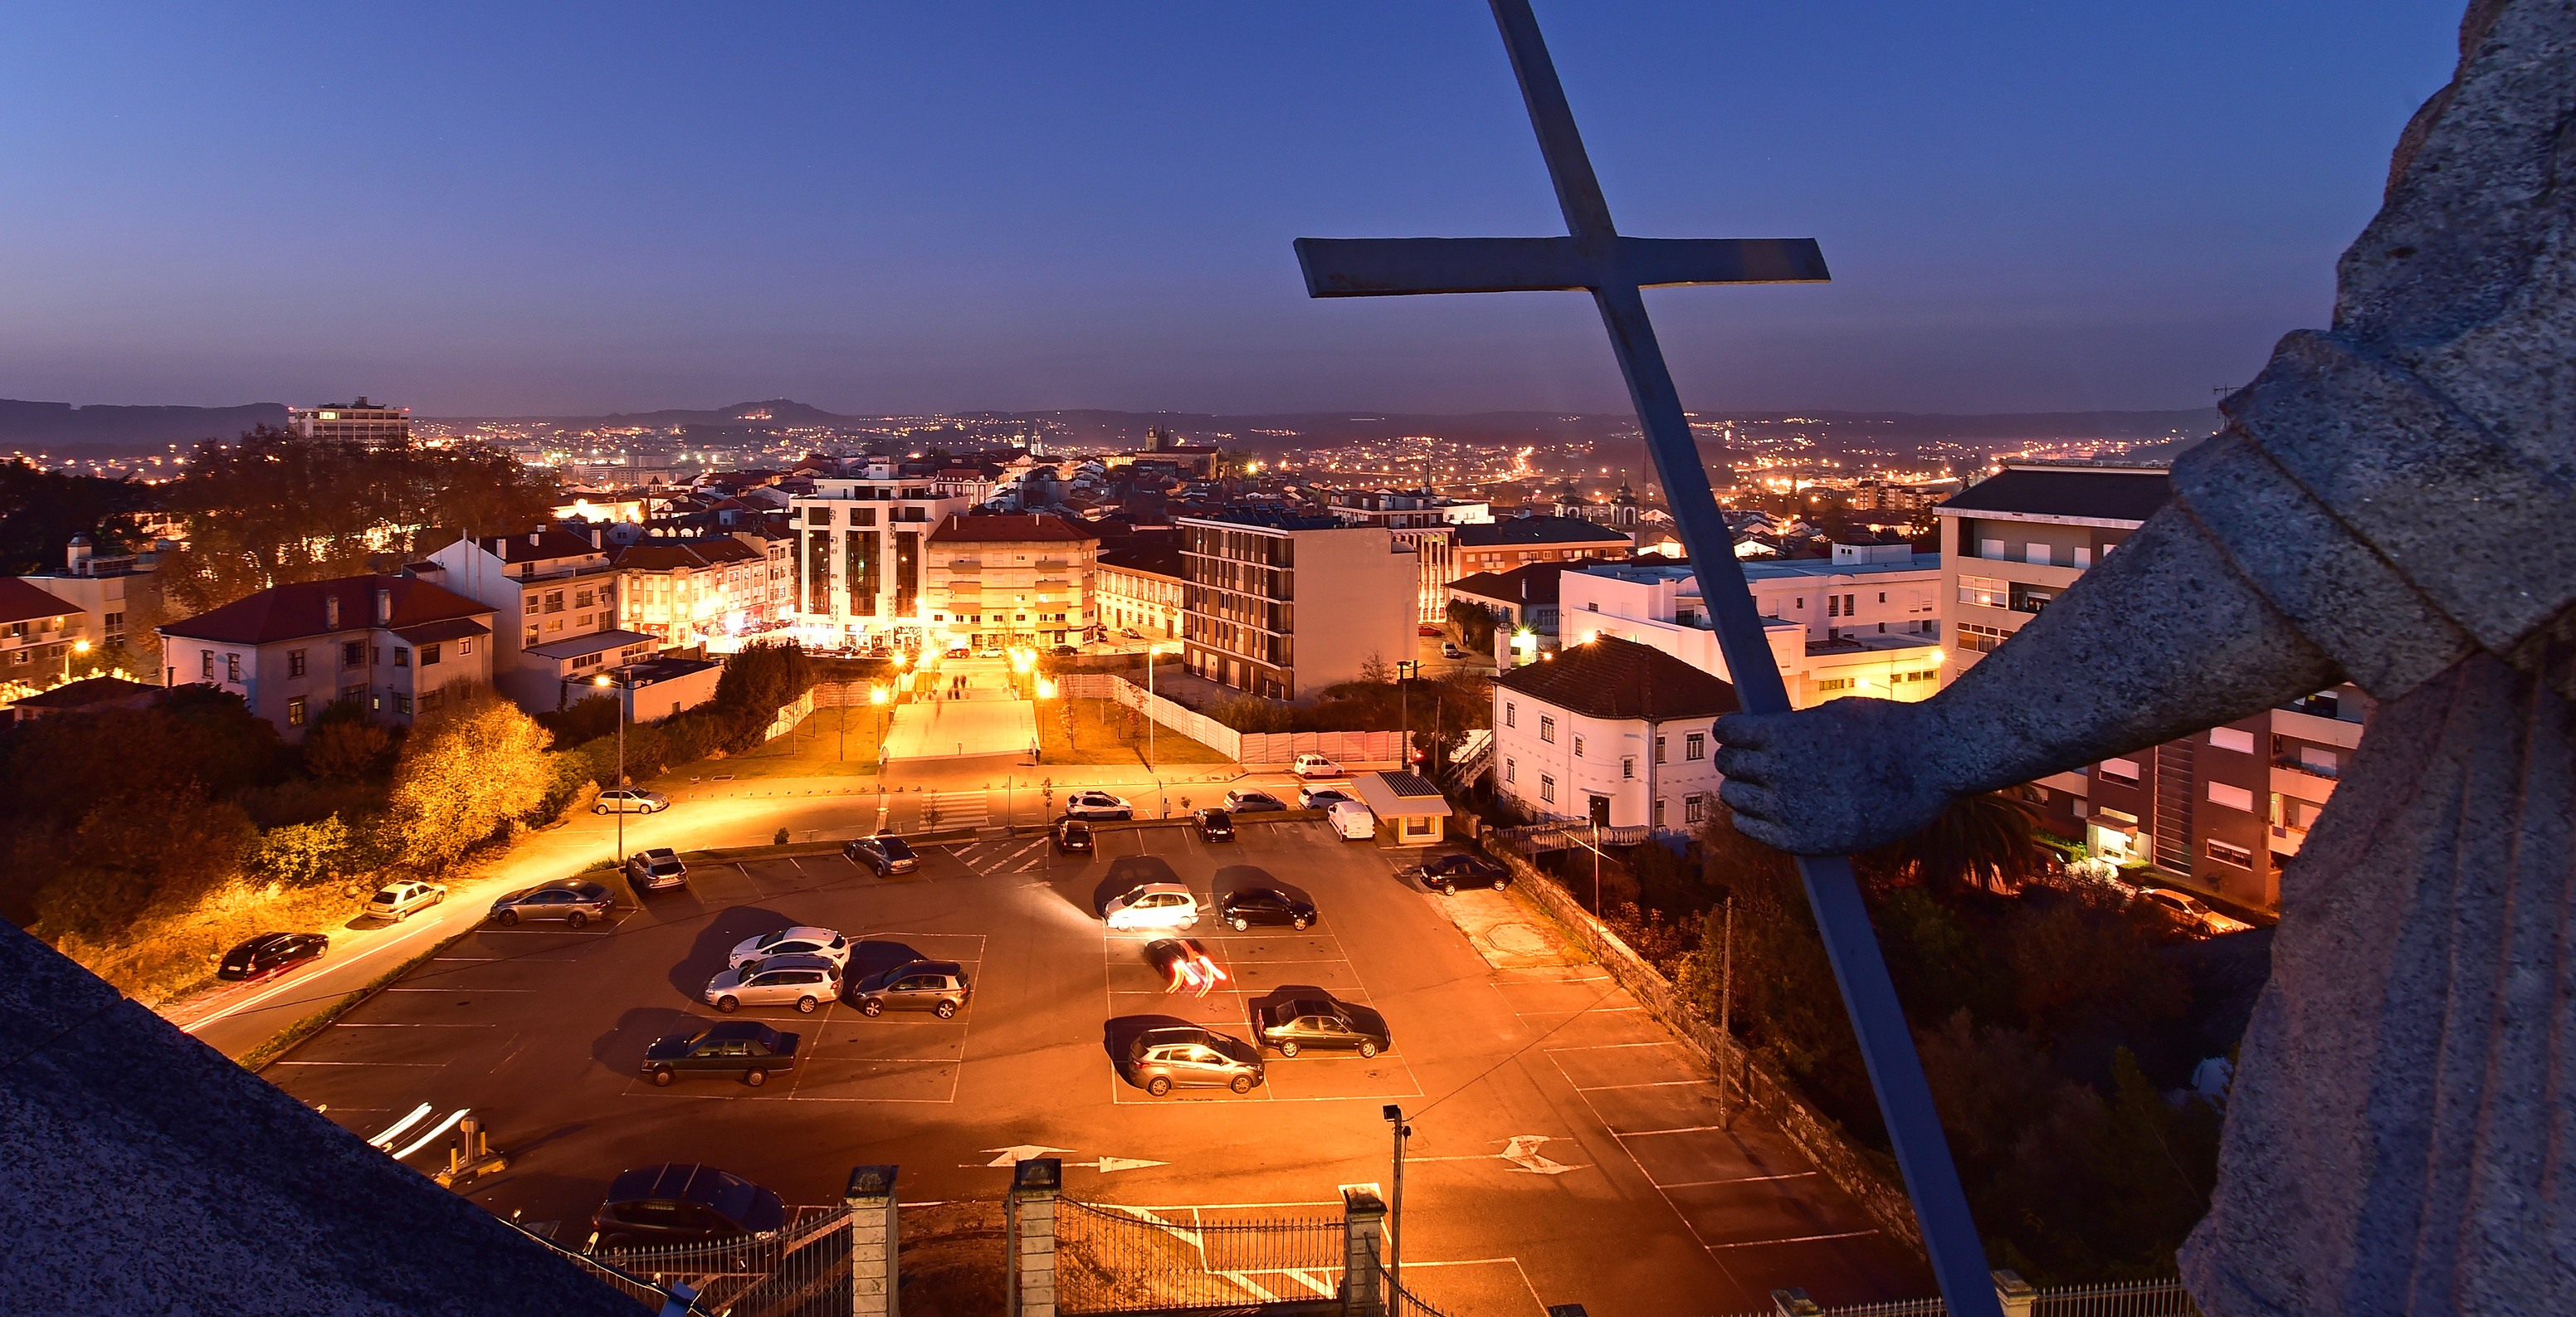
x=1426 y=630
x=571 y=900
x=1246 y=801
x=1264 y=905
x=1316 y=766
x=1064 y=651
x=630 y=800
x=271 y=953
x=1294 y=1026
x=798 y=940
x=1312 y=797
x=2184 y=910
x=1097 y=807
x=885 y=853
x=745 y=1048
x=1073 y=835
x=1448 y=873
x=804 y=982
x=1215 y=825
x=684 y=1203
x=1153 y=905
x=1449 y=651
x=937 y=986
x=1186 y=1056
x=658 y=866
x=397 y=901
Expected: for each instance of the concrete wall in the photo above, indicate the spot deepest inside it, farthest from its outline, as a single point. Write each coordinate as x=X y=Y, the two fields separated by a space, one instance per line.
x=1355 y=598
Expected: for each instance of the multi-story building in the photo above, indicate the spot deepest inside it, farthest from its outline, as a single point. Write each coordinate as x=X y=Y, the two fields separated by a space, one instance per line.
x=859 y=557
x=1421 y=521
x=1609 y=730
x=690 y=591
x=555 y=594
x=1863 y=622
x=37 y=632
x=394 y=643
x=106 y=588
x=2219 y=811
x=1499 y=546
x=1280 y=605
x=1142 y=591
x=1009 y=578
x=360 y=424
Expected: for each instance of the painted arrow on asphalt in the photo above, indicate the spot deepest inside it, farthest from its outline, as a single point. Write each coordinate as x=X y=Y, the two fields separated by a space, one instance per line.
x=1107 y=1164
x=1030 y=1151
x=1523 y=1152
x=1021 y=1153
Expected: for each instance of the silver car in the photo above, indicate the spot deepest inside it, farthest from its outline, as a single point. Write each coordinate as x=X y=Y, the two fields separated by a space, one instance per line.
x=804 y=982
x=630 y=800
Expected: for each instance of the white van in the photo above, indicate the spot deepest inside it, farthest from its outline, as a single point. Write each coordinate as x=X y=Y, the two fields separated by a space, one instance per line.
x=1352 y=820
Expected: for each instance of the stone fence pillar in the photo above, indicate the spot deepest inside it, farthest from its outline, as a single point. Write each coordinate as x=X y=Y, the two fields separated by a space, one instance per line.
x=1031 y=1236
x=1364 y=1243
x=874 y=1241
x=2014 y=1293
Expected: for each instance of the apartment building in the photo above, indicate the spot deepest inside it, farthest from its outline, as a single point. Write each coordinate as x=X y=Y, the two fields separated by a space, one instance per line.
x=555 y=595
x=37 y=632
x=1421 y=521
x=860 y=554
x=1499 y=546
x=1279 y=605
x=1865 y=621
x=2220 y=810
x=1142 y=590
x=1014 y=578
x=687 y=592
x=394 y=643
x=106 y=589
x=1609 y=730
x=360 y=424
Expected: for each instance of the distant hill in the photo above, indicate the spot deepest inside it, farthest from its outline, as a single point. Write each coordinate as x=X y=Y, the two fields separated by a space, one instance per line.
x=42 y=425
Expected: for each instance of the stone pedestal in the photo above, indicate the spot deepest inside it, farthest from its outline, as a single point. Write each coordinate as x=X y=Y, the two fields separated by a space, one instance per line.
x=874 y=1240
x=1031 y=1235
x=1364 y=1244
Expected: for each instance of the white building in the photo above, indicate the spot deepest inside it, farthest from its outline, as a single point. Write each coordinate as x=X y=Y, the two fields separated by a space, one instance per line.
x=395 y=644
x=1142 y=590
x=554 y=597
x=1008 y=579
x=1280 y=605
x=359 y=424
x=860 y=554
x=1613 y=730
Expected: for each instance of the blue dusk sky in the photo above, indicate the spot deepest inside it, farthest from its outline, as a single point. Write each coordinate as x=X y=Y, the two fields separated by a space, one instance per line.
x=539 y=208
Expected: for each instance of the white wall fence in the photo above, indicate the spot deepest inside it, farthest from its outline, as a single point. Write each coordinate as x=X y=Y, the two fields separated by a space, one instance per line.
x=1250 y=749
x=789 y=715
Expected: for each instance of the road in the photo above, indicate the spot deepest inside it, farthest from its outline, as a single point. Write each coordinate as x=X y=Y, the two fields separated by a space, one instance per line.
x=1565 y=1149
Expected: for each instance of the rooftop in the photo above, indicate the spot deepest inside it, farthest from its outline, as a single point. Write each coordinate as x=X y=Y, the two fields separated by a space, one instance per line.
x=1008 y=528
x=1537 y=530
x=286 y=612
x=1156 y=559
x=1274 y=519
x=684 y=555
x=21 y=602
x=1530 y=583
x=2106 y=493
x=1613 y=678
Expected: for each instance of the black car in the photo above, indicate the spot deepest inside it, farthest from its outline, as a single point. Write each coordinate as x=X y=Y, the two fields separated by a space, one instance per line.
x=1294 y=1026
x=885 y=853
x=1184 y=962
x=1215 y=825
x=1451 y=872
x=736 y=1047
x=1073 y=835
x=1264 y=905
x=271 y=953
x=936 y=986
x=1064 y=651
x=684 y=1203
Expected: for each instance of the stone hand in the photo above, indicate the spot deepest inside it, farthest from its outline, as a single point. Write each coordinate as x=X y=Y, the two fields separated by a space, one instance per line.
x=1836 y=779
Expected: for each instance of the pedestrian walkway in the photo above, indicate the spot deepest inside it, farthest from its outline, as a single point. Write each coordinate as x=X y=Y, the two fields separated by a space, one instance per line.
x=981 y=723
x=954 y=809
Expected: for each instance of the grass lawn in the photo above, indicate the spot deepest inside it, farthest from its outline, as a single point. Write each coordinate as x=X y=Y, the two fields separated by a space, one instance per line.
x=1117 y=739
x=821 y=746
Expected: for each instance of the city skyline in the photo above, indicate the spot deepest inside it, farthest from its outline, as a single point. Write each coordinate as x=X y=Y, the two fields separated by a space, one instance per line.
x=888 y=213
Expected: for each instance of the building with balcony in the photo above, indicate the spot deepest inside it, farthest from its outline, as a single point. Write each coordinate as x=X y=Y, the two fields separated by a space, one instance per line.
x=395 y=644
x=1017 y=578
x=686 y=592
x=37 y=631
x=860 y=550
x=1141 y=590
x=106 y=589
x=1612 y=730
x=1280 y=606
x=555 y=597
x=360 y=424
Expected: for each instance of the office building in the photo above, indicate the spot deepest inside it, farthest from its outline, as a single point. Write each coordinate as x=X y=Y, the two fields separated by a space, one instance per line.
x=360 y=424
x=1281 y=606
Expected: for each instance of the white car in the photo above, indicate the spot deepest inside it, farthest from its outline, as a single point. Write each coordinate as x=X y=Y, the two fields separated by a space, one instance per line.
x=1316 y=766
x=1315 y=797
x=801 y=940
x=1154 y=905
x=396 y=901
x=630 y=800
x=1097 y=807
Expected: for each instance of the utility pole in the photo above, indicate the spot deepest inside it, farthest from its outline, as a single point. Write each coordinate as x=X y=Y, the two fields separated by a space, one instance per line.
x=602 y=680
x=1725 y=997
x=1395 y=1206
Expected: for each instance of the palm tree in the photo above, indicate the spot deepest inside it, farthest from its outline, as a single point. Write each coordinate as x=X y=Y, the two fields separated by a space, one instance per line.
x=1982 y=842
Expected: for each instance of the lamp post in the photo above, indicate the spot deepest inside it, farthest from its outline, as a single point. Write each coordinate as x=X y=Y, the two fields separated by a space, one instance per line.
x=1395 y=1203
x=602 y=680
x=877 y=697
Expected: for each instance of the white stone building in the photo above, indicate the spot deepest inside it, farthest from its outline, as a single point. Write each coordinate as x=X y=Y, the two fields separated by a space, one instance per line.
x=1609 y=729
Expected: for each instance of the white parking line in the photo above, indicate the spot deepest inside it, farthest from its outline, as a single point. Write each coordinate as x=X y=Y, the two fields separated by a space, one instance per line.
x=460 y=990
x=1741 y=1179
x=381 y=1065
x=1660 y=1083
x=1793 y=1239
x=1603 y=1047
x=1648 y=1134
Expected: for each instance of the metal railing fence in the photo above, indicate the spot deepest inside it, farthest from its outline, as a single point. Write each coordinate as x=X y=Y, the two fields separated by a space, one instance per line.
x=2143 y=1298
x=803 y=1270
x=1110 y=1258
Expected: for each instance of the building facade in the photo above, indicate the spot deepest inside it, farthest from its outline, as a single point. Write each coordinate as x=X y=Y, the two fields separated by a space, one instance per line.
x=686 y=592
x=393 y=643
x=1421 y=521
x=360 y=424
x=555 y=596
x=1142 y=592
x=109 y=589
x=860 y=554
x=1610 y=730
x=1015 y=578
x=37 y=632
x=1499 y=546
x=1278 y=606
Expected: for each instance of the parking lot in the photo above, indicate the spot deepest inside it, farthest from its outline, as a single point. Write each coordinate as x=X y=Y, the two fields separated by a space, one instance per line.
x=1564 y=1150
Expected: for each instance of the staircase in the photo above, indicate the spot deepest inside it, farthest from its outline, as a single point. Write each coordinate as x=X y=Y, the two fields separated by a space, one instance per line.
x=1475 y=755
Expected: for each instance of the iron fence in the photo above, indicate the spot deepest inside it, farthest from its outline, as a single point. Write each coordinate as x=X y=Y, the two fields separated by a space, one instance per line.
x=2144 y=1298
x=1401 y=1302
x=1110 y=1258
x=802 y=1270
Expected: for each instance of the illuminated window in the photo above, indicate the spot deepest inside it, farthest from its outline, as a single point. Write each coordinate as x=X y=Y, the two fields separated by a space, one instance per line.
x=1985 y=591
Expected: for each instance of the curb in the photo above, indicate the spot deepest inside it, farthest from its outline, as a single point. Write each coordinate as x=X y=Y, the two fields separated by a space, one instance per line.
x=295 y=1035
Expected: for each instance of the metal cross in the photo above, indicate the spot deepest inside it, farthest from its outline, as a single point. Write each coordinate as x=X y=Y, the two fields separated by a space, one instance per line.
x=1597 y=260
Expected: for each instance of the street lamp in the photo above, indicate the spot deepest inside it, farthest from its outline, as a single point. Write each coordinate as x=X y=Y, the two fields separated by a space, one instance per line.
x=602 y=680
x=1395 y=1202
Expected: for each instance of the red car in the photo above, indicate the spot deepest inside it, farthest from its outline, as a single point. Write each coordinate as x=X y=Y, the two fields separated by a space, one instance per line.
x=1428 y=631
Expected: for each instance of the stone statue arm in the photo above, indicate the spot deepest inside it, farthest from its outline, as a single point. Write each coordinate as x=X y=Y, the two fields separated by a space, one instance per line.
x=2163 y=639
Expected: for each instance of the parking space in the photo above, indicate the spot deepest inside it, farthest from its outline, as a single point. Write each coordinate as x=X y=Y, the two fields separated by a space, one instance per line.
x=1259 y=969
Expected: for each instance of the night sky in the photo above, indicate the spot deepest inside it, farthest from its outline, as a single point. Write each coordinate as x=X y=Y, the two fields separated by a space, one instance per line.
x=902 y=208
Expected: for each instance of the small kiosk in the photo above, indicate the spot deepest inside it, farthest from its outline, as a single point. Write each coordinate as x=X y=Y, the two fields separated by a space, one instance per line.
x=1410 y=810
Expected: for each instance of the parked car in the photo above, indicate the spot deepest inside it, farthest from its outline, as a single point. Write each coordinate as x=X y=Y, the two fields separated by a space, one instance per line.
x=1315 y=766
x=1153 y=905
x=654 y=868
x=1352 y=820
x=1451 y=872
x=796 y=940
x=630 y=800
x=1064 y=651
x=886 y=853
x=1264 y=905
x=2184 y=909
x=1186 y=1056
x=271 y=953
x=1215 y=825
x=936 y=986
x=1097 y=807
x=1449 y=651
x=959 y=652
x=1073 y=835
x=1247 y=801
x=1315 y=797
x=746 y=1048
x=804 y=982
x=569 y=899
x=1294 y=1026
x=1131 y=633
x=1426 y=629
x=683 y=1203
x=1185 y=963
x=397 y=901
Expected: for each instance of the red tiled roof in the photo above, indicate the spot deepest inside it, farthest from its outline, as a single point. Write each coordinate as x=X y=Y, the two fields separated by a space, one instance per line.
x=679 y=555
x=1007 y=528
x=21 y=602
x=1615 y=678
x=286 y=612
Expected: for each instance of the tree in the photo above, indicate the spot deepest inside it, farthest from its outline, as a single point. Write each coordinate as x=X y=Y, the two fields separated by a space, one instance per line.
x=1980 y=842
x=346 y=748
x=466 y=771
x=1375 y=670
x=301 y=854
x=41 y=510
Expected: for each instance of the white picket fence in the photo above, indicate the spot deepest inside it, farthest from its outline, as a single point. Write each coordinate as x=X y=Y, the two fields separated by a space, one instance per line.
x=1250 y=749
